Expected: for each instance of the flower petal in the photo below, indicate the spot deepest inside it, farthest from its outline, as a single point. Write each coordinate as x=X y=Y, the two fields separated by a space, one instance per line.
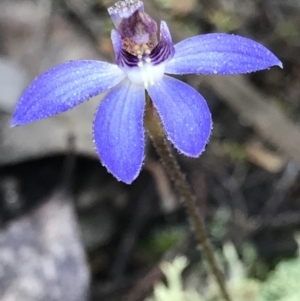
x=184 y=114
x=165 y=32
x=124 y=59
x=119 y=133
x=117 y=43
x=164 y=50
x=220 y=54
x=64 y=87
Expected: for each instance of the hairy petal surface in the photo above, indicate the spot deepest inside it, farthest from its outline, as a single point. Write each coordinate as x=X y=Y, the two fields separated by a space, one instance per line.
x=220 y=53
x=119 y=132
x=64 y=87
x=184 y=114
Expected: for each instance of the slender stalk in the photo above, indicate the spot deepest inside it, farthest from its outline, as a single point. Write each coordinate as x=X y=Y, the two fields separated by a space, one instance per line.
x=157 y=135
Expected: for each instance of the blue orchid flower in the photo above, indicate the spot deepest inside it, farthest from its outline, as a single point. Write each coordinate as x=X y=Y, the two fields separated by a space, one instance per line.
x=142 y=62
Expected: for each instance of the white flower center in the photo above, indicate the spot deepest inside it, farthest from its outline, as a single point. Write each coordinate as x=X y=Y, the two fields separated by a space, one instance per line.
x=146 y=74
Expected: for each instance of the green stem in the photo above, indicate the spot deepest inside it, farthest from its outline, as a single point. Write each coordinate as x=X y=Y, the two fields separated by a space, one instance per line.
x=157 y=135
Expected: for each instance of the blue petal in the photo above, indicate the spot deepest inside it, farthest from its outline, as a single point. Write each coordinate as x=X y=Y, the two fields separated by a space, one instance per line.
x=64 y=87
x=165 y=32
x=124 y=59
x=184 y=114
x=119 y=133
x=220 y=54
x=117 y=43
x=164 y=50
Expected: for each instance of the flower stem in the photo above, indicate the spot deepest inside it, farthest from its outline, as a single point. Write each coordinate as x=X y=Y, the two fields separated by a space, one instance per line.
x=157 y=135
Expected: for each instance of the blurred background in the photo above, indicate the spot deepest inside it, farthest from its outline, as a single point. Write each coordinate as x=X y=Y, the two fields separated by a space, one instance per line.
x=70 y=231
